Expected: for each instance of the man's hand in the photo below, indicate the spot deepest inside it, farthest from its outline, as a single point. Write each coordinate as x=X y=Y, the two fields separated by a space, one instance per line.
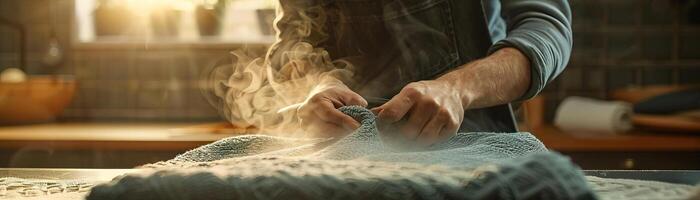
x=319 y=114
x=432 y=111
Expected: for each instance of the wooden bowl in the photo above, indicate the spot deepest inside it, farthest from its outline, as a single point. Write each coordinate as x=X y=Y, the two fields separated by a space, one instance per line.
x=39 y=99
x=666 y=123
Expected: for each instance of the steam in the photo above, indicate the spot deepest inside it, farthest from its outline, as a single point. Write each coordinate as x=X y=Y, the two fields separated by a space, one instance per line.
x=265 y=92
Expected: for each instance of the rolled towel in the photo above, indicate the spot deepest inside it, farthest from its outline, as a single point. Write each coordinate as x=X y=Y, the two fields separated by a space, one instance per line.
x=593 y=116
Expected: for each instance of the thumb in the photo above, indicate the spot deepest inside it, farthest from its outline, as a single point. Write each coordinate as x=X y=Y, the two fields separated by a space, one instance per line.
x=395 y=109
x=353 y=99
x=376 y=110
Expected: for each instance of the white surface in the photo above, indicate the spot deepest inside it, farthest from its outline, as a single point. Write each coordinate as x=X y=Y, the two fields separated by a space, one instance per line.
x=584 y=114
x=12 y=75
x=91 y=176
x=628 y=189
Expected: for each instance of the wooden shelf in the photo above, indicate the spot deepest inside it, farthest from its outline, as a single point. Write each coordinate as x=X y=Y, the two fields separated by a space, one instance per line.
x=558 y=140
x=114 y=136
x=173 y=44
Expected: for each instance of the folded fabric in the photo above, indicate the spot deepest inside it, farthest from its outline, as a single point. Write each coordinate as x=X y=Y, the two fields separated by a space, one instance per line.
x=358 y=166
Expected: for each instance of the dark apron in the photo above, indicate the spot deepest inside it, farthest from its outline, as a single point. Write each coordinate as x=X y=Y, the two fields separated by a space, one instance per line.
x=395 y=42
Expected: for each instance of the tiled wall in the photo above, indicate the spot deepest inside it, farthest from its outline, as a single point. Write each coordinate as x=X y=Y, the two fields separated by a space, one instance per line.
x=128 y=83
x=628 y=43
x=617 y=43
x=121 y=82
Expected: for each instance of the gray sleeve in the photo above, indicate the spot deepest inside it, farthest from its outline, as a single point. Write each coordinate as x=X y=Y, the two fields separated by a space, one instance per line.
x=541 y=29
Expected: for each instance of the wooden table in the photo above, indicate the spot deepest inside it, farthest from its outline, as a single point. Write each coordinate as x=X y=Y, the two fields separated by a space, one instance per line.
x=632 y=150
x=103 y=145
x=559 y=140
x=117 y=136
x=64 y=173
x=91 y=176
x=125 y=145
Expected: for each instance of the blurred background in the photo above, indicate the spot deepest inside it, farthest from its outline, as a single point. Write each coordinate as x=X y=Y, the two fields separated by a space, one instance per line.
x=126 y=66
x=133 y=60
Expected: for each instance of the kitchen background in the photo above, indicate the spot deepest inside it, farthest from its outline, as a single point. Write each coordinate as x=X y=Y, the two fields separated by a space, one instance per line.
x=621 y=43
x=138 y=76
x=138 y=96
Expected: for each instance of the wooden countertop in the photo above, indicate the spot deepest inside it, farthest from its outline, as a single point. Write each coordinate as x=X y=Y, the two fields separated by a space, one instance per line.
x=556 y=139
x=92 y=176
x=96 y=175
x=122 y=136
x=184 y=136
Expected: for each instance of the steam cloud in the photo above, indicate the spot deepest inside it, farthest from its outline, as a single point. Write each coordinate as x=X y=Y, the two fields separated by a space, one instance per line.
x=399 y=48
x=265 y=92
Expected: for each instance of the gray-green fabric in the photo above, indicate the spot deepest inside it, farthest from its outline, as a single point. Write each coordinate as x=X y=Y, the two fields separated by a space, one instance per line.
x=541 y=29
x=358 y=166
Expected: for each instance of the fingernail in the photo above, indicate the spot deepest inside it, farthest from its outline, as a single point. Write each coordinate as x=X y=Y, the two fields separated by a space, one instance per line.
x=352 y=126
x=426 y=142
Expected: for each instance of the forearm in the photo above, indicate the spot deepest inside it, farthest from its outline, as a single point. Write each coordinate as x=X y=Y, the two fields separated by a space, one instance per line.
x=541 y=30
x=500 y=78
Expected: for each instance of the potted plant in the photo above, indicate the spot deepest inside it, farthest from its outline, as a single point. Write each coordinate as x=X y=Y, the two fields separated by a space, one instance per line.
x=111 y=18
x=165 y=20
x=208 y=15
x=266 y=16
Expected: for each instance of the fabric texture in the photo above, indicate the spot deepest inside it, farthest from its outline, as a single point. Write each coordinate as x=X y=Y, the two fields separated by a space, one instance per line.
x=358 y=166
x=622 y=189
x=16 y=188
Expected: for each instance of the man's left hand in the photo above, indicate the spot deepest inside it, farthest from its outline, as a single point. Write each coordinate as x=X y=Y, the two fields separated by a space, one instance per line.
x=424 y=111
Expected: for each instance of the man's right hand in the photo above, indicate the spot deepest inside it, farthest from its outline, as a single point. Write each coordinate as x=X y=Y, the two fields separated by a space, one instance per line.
x=319 y=114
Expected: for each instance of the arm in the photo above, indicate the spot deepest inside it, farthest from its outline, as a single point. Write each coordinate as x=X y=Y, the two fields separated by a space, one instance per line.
x=535 y=51
x=497 y=79
x=541 y=30
x=434 y=109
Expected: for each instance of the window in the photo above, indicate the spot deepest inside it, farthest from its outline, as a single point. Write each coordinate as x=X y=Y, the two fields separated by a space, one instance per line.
x=174 y=21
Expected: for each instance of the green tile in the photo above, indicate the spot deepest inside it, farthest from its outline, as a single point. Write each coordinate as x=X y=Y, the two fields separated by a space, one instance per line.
x=690 y=45
x=621 y=78
x=586 y=12
x=657 y=76
x=690 y=76
x=658 y=46
x=622 y=12
x=623 y=47
x=658 y=12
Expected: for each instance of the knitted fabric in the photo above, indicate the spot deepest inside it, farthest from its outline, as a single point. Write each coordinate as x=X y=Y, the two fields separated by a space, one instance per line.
x=358 y=166
x=627 y=189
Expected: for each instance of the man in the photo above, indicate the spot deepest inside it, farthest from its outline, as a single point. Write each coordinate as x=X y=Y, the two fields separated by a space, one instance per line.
x=434 y=60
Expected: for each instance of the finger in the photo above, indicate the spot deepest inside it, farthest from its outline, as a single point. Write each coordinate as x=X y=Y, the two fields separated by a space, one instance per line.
x=354 y=99
x=337 y=103
x=417 y=120
x=376 y=110
x=395 y=109
x=334 y=116
x=447 y=131
x=431 y=132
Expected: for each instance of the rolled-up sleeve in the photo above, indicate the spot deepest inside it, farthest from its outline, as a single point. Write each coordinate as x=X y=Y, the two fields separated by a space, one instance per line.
x=541 y=29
